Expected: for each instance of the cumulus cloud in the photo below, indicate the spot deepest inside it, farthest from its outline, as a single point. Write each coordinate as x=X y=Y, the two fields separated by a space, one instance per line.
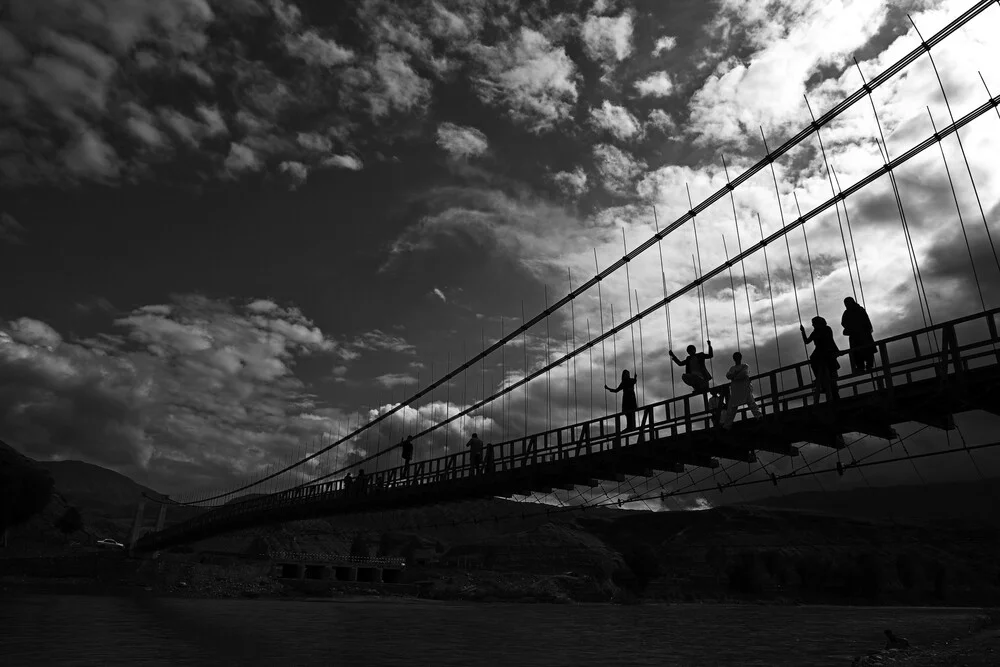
x=657 y=84
x=659 y=119
x=297 y=172
x=608 y=39
x=665 y=43
x=618 y=169
x=461 y=142
x=572 y=182
x=315 y=50
x=534 y=80
x=792 y=39
x=242 y=158
x=615 y=119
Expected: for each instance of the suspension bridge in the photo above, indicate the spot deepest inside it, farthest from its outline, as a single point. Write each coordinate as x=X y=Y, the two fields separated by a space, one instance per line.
x=925 y=375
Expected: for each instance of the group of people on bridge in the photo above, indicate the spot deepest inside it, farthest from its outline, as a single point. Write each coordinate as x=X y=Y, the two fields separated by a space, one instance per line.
x=724 y=400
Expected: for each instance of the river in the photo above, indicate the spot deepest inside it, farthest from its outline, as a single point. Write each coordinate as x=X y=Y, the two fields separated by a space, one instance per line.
x=41 y=630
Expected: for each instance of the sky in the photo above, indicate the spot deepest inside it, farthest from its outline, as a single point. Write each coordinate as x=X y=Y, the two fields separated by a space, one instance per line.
x=233 y=231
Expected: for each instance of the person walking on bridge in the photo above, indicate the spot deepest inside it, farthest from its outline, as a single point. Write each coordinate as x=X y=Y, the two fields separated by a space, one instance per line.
x=407 y=454
x=475 y=446
x=824 y=357
x=696 y=374
x=858 y=329
x=740 y=391
x=629 y=402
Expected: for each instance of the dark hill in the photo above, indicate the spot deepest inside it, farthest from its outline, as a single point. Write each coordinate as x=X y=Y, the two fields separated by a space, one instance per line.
x=95 y=488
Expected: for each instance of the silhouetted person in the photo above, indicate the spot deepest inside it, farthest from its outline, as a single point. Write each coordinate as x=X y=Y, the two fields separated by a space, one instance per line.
x=475 y=446
x=348 y=483
x=740 y=391
x=824 y=357
x=629 y=402
x=696 y=374
x=858 y=329
x=362 y=483
x=407 y=455
x=892 y=641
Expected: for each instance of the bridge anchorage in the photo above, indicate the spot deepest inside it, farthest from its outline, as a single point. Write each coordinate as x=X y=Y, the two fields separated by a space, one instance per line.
x=925 y=375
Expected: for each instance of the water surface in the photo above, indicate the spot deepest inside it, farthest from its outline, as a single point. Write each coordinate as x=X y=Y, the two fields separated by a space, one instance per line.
x=37 y=630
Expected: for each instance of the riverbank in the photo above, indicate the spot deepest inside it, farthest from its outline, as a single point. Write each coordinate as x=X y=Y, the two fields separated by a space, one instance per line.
x=980 y=647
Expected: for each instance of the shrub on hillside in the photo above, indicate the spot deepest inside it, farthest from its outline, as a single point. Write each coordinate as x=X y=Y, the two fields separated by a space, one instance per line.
x=644 y=563
x=70 y=521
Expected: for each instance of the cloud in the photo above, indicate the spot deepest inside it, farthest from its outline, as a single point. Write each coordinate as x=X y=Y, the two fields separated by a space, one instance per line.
x=665 y=43
x=607 y=39
x=296 y=171
x=242 y=158
x=572 y=182
x=62 y=72
x=659 y=119
x=657 y=84
x=89 y=157
x=343 y=162
x=379 y=340
x=615 y=119
x=461 y=142
x=392 y=380
x=35 y=333
x=316 y=50
x=187 y=392
x=790 y=39
x=398 y=87
x=534 y=80
x=11 y=230
x=617 y=168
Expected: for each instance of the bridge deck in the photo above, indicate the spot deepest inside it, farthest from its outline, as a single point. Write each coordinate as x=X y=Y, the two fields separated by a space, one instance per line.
x=925 y=376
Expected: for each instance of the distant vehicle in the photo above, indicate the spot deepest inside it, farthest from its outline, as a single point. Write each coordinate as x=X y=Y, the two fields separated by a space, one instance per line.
x=110 y=544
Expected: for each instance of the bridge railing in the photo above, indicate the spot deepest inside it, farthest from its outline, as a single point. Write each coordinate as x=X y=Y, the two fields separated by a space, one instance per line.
x=959 y=345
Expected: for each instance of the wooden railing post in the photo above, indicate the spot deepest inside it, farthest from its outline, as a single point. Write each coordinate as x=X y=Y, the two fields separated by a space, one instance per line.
x=529 y=446
x=883 y=353
x=584 y=438
x=647 y=422
x=949 y=349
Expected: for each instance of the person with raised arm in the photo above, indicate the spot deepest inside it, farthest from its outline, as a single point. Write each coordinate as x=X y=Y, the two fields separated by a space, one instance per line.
x=696 y=374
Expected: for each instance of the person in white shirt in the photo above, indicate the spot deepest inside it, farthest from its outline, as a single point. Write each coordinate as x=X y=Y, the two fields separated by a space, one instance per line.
x=740 y=391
